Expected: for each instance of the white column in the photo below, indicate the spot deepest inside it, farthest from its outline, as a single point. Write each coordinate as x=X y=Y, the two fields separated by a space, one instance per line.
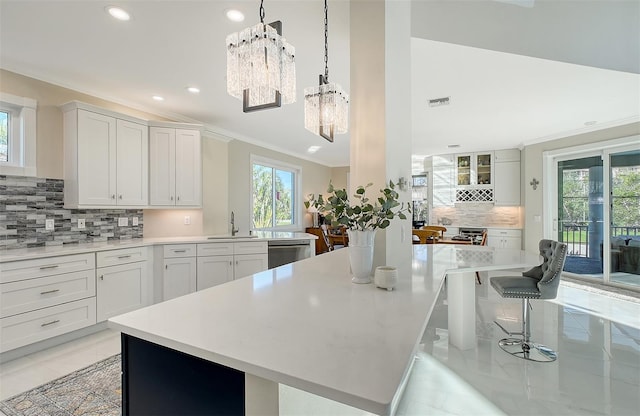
x=380 y=111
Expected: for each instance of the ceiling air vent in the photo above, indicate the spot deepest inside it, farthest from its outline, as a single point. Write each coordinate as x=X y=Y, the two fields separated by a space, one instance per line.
x=437 y=102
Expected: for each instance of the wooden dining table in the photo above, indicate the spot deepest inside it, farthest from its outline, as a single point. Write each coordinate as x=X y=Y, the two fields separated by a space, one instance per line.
x=452 y=241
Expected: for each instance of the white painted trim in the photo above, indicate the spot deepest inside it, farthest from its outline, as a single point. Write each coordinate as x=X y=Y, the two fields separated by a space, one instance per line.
x=23 y=135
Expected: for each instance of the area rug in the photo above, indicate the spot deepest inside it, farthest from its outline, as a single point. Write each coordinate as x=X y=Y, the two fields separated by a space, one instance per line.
x=582 y=265
x=93 y=390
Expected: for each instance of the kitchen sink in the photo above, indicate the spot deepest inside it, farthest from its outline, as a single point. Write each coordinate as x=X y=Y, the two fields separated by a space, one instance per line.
x=230 y=237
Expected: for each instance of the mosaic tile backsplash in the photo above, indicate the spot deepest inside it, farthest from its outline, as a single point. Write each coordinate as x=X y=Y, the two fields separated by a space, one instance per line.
x=26 y=202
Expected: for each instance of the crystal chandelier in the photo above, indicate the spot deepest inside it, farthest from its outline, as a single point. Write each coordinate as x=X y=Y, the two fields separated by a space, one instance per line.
x=326 y=107
x=261 y=69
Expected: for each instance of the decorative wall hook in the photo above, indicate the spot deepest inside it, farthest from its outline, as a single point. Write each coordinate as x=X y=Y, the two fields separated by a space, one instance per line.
x=534 y=183
x=402 y=183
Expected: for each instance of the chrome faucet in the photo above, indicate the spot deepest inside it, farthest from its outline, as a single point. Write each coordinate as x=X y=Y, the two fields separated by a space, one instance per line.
x=234 y=230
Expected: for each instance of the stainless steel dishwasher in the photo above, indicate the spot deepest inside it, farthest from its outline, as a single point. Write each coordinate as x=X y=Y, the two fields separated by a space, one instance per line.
x=287 y=251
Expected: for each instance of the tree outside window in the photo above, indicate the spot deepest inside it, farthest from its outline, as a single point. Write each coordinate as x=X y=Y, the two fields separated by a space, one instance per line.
x=274 y=192
x=4 y=136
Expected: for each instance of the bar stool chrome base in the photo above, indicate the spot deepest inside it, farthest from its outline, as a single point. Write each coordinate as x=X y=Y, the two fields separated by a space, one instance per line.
x=527 y=350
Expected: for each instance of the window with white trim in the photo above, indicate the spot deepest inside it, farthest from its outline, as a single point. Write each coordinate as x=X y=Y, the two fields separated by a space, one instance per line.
x=274 y=194
x=17 y=135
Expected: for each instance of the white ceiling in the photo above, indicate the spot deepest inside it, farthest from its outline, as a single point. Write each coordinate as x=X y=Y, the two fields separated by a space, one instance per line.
x=498 y=99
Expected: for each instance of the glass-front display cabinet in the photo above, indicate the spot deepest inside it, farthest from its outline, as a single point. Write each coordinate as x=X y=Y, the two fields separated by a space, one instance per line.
x=483 y=169
x=463 y=166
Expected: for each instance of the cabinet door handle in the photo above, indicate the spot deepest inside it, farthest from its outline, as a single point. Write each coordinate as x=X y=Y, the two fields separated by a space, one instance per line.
x=50 y=323
x=178 y=198
x=126 y=256
x=53 y=266
x=120 y=196
x=113 y=196
x=46 y=292
x=101 y=277
x=166 y=267
x=172 y=197
x=179 y=251
x=230 y=263
x=236 y=262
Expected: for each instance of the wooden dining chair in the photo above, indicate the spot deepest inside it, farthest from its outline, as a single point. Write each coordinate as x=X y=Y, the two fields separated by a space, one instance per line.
x=426 y=236
x=438 y=228
x=338 y=237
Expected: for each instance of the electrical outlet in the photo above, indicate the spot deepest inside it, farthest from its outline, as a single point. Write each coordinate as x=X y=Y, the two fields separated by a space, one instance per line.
x=49 y=225
x=123 y=221
x=81 y=223
x=187 y=220
x=134 y=221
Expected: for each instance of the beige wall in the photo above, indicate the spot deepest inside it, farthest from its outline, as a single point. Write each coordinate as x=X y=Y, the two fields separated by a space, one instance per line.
x=339 y=177
x=50 y=97
x=532 y=168
x=315 y=178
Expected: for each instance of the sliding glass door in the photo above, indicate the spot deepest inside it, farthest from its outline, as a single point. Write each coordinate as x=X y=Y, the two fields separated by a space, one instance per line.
x=597 y=213
x=581 y=214
x=625 y=218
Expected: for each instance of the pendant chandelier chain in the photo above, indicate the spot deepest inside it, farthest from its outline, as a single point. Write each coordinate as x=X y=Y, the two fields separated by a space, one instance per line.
x=326 y=43
x=262 y=11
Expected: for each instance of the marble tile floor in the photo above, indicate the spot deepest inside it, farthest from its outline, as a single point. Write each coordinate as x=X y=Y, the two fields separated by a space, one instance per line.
x=597 y=373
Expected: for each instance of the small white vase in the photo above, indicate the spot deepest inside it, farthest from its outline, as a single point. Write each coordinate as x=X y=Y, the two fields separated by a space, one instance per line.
x=361 y=254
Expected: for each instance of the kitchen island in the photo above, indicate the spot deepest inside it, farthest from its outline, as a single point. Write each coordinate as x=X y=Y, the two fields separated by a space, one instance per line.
x=303 y=324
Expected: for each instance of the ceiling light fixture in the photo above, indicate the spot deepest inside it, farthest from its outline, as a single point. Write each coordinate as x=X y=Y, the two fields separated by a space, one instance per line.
x=590 y=123
x=234 y=15
x=313 y=149
x=158 y=98
x=118 y=13
x=326 y=107
x=261 y=69
x=193 y=90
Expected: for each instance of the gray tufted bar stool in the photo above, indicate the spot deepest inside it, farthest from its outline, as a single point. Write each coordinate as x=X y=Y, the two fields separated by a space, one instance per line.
x=541 y=282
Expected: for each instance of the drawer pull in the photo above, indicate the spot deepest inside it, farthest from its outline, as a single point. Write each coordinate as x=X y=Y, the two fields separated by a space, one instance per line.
x=53 y=266
x=50 y=291
x=50 y=323
x=125 y=256
x=179 y=251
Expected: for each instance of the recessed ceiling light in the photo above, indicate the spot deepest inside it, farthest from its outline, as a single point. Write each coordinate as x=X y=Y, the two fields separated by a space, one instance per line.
x=193 y=90
x=234 y=15
x=590 y=123
x=118 y=13
x=453 y=146
x=313 y=149
x=158 y=98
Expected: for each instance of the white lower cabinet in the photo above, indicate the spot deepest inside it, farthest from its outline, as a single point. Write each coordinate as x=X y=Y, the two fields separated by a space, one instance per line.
x=214 y=270
x=178 y=270
x=46 y=297
x=179 y=277
x=123 y=287
x=248 y=264
x=26 y=328
x=222 y=262
x=504 y=238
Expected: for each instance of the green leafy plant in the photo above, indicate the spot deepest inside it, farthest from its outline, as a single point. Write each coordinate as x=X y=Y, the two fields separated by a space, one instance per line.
x=365 y=214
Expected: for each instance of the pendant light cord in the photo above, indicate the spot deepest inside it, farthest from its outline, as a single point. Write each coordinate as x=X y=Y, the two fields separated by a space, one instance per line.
x=262 y=11
x=326 y=43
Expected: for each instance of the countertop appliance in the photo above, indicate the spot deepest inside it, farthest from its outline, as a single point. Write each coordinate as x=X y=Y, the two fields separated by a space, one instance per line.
x=283 y=252
x=469 y=234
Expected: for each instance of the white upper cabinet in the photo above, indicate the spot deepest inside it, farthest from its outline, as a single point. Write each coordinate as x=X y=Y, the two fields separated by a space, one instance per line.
x=507 y=177
x=443 y=182
x=106 y=158
x=175 y=166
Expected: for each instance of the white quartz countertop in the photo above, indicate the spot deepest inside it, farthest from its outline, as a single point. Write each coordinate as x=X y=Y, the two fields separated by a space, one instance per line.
x=307 y=326
x=60 y=250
